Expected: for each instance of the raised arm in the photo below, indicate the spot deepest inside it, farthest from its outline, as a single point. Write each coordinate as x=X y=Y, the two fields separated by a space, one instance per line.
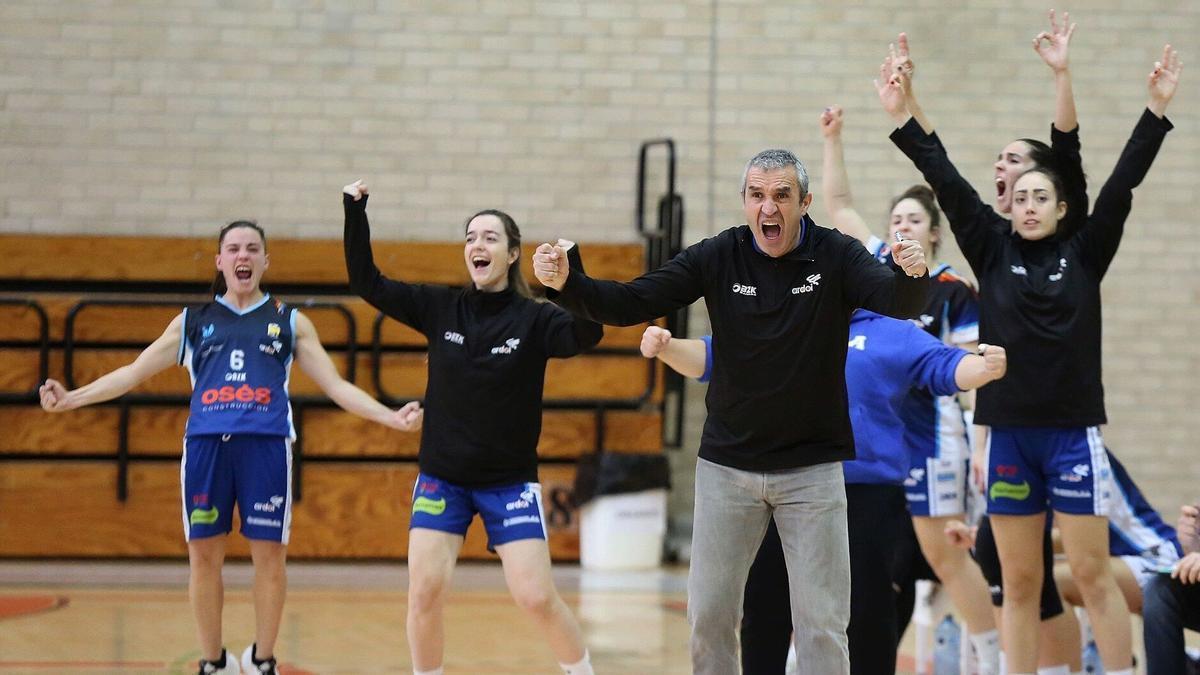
x=900 y=63
x=568 y=334
x=686 y=357
x=160 y=355
x=976 y=370
x=1100 y=239
x=899 y=291
x=976 y=225
x=1053 y=46
x=398 y=300
x=315 y=362
x=657 y=293
x=835 y=185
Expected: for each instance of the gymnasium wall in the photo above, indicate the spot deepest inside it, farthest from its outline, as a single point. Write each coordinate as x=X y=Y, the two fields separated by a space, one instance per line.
x=169 y=118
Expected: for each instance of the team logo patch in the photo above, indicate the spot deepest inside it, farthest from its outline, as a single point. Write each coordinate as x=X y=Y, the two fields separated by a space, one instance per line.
x=208 y=331
x=1004 y=490
x=273 y=330
x=204 y=516
x=434 y=507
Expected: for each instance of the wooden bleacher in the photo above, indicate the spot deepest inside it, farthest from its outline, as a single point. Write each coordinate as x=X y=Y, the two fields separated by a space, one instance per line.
x=59 y=474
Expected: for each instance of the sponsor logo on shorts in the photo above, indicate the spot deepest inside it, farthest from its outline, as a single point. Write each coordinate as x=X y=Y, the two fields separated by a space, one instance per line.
x=917 y=497
x=264 y=522
x=200 y=499
x=434 y=507
x=1004 y=490
x=1065 y=492
x=947 y=475
x=521 y=520
x=269 y=506
x=915 y=476
x=522 y=502
x=204 y=516
x=858 y=342
x=947 y=495
x=1007 y=470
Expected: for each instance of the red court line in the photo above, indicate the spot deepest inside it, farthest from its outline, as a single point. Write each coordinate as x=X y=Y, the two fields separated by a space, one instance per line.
x=24 y=605
x=83 y=664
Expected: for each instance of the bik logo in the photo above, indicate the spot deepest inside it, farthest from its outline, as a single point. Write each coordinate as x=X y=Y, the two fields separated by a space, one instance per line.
x=1019 y=270
x=742 y=289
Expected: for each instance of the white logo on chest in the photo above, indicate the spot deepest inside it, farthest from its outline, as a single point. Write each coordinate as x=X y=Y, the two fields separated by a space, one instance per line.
x=742 y=289
x=813 y=280
x=456 y=338
x=510 y=345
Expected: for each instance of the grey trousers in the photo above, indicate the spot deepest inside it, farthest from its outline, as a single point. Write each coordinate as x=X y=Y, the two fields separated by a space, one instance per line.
x=732 y=511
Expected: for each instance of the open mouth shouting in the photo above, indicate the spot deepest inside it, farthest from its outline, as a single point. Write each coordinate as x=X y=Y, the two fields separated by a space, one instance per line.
x=1001 y=187
x=771 y=229
x=243 y=272
x=480 y=263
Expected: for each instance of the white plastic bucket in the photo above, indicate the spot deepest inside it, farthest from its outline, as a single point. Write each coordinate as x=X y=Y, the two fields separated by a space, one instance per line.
x=623 y=532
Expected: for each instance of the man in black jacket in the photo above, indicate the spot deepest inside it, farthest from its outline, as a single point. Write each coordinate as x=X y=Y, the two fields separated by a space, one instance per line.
x=779 y=291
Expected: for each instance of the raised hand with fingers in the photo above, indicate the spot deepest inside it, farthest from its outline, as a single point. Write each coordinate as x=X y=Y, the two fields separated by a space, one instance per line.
x=357 y=190
x=550 y=265
x=1052 y=45
x=654 y=341
x=831 y=121
x=890 y=87
x=1163 y=80
x=901 y=60
x=909 y=255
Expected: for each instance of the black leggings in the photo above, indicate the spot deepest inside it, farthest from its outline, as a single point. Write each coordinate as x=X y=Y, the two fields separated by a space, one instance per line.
x=988 y=557
x=875 y=518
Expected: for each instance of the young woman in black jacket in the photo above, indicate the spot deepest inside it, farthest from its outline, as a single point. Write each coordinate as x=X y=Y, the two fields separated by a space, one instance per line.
x=1040 y=297
x=488 y=347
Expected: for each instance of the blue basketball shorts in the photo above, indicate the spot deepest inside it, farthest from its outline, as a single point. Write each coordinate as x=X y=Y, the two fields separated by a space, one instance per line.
x=1030 y=468
x=255 y=472
x=509 y=513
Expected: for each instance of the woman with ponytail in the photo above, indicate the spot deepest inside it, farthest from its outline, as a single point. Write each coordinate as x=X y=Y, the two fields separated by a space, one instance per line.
x=488 y=347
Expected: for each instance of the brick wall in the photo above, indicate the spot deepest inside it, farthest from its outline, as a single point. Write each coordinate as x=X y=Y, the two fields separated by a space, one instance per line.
x=172 y=117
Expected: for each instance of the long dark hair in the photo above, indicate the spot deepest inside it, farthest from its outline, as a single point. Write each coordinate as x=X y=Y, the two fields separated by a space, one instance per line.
x=516 y=280
x=924 y=196
x=218 y=285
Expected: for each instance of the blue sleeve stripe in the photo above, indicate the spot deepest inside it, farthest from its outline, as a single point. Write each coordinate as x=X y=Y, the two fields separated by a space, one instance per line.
x=708 y=359
x=182 y=337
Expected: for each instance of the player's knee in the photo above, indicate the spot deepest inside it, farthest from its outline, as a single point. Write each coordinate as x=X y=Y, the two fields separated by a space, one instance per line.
x=535 y=599
x=426 y=592
x=1021 y=586
x=1089 y=570
x=206 y=558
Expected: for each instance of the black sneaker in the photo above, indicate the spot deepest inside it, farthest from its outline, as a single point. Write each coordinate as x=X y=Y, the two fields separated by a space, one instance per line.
x=251 y=665
x=222 y=666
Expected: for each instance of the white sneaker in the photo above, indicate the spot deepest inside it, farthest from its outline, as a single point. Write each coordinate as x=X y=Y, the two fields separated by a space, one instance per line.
x=230 y=666
x=250 y=667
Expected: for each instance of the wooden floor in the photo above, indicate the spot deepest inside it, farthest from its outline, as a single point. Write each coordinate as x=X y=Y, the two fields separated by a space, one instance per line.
x=131 y=617
x=134 y=618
